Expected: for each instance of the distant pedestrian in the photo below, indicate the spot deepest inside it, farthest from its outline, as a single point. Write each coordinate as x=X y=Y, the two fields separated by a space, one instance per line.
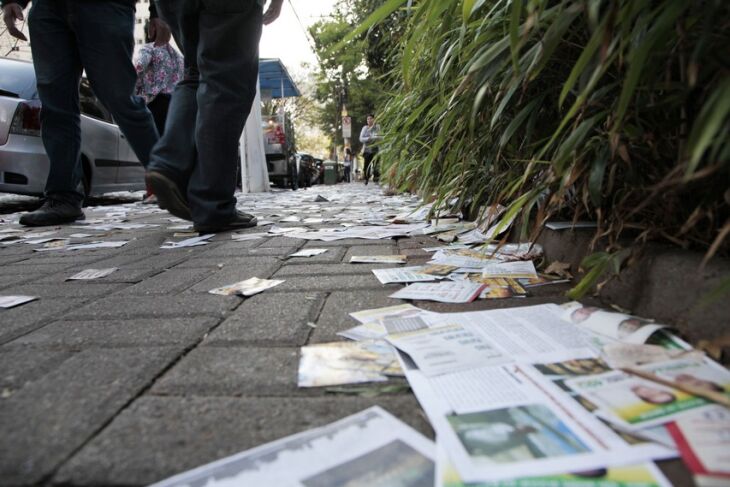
x=347 y=163
x=369 y=136
x=193 y=169
x=67 y=38
x=159 y=68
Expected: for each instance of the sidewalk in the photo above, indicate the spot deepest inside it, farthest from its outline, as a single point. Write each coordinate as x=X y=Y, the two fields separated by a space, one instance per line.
x=143 y=374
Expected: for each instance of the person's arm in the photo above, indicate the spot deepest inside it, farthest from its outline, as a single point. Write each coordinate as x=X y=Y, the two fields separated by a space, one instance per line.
x=364 y=137
x=144 y=58
x=272 y=13
x=12 y=12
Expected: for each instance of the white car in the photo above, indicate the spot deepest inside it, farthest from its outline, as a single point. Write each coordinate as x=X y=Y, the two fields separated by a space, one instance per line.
x=108 y=162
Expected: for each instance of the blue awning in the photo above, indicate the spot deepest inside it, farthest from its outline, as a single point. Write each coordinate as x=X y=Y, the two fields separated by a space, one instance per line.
x=273 y=76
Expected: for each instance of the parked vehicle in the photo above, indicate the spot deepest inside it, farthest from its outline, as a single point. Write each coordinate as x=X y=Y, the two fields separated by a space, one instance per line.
x=307 y=170
x=107 y=160
x=279 y=149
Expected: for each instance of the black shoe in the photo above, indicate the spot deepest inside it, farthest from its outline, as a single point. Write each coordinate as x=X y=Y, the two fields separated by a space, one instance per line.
x=240 y=220
x=169 y=195
x=53 y=212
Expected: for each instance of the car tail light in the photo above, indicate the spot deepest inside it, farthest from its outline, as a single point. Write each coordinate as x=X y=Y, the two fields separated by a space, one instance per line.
x=27 y=119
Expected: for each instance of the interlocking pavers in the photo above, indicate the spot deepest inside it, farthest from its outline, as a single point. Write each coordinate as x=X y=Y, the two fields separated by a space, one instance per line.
x=159 y=436
x=20 y=320
x=127 y=307
x=46 y=421
x=182 y=332
x=171 y=281
x=232 y=274
x=20 y=366
x=270 y=319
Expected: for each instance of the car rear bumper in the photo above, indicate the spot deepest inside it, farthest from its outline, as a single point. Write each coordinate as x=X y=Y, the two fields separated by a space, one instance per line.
x=23 y=165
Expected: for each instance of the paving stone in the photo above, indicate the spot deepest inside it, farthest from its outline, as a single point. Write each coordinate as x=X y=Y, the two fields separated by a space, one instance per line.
x=121 y=275
x=129 y=307
x=18 y=321
x=281 y=242
x=62 y=258
x=233 y=371
x=419 y=242
x=159 y=261
x=30 y=267
x=236 y=249
x=412 y=254
x=213 y=262
x=270 y=319
x=13 y=279
x=333 y=255
x=68 y=289
x=182 y=332
x=328 y=283
x=49 y=419
x=232 y=274
x=295 y=268
x=160 y=436
x=19 y=366
x=335 y=314
x=171 y=281
x=370 y=250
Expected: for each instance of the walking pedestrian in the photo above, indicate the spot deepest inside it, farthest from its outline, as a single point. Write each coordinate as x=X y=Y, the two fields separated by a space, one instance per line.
x=192 y=170
x=159 y=68
x=348 y=164
x=67 y=38
x=369 y=135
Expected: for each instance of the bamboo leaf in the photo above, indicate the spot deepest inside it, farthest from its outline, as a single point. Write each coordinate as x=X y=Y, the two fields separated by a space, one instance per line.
x=514 y=31
x=708 y=124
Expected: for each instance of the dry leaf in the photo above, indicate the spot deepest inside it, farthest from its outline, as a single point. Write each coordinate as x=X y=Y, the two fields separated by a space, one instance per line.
x=558 y=268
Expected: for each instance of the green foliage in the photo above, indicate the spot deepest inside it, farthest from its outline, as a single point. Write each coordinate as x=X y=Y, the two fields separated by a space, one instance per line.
x=611 y=110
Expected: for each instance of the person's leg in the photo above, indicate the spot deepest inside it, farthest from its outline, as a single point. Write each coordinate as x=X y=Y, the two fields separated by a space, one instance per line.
x=175 y=155
x=58 y=72
x=159 y=108
x=105 y=37
x=228 y=61
x=367 y=160
x=375 y=164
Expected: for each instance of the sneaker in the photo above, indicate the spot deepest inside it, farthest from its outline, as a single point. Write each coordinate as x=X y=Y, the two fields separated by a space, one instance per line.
x=150 y=200
x=169 y=195
x=240 y=220
x=53 y=212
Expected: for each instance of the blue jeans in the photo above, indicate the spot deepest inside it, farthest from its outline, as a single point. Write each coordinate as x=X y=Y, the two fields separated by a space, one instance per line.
x=68 y=37
x=199 y=149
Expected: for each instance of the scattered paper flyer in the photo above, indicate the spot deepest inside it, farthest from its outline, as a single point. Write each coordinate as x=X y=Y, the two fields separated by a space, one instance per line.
x=308 y=252
x=7 y=302
x=639 y=475
x=637 y=403
x=444 y=292
x=404 y=274
x=378 y=259
x=92 y=274
x=510 y=269
x=188 y=242
x=370 y=448
x=338 y=363
x=447 y=349
x=618 y=326
x=369 y=315
x=241 y=237
x=703 y=440
x=87 y=246
x=249 y=287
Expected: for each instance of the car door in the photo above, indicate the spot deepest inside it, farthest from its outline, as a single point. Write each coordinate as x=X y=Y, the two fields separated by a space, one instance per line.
x=99 y=140
x=130 y=173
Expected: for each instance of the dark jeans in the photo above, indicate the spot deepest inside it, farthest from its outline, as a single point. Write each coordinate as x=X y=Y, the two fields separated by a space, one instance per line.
x=159 y=108
x=199 y=149
x=347 y=174
x=370 y=164
x=68 y=37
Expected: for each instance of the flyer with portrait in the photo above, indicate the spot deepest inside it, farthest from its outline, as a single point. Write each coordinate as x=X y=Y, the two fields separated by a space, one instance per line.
x=637 y=403
x=618 y=326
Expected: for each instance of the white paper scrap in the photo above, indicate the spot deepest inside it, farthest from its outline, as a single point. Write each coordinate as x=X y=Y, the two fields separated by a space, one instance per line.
x=12 y=301
x=188 y=242
x=403 y=274
x=249 y=287
x=444 y=292
x=378 y=259
x=510 y=269
x=88 y=274
x=308 y=252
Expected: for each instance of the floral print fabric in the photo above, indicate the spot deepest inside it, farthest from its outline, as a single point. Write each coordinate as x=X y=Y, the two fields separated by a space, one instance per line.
x=159 y=69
